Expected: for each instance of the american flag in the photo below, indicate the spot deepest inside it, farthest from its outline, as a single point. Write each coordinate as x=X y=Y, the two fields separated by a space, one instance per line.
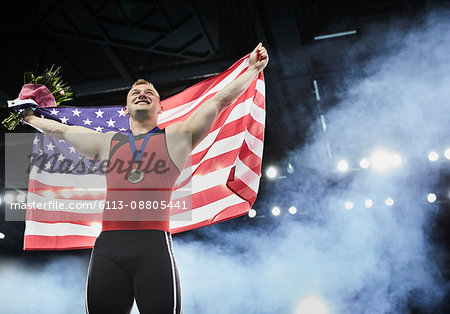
x=224 y=174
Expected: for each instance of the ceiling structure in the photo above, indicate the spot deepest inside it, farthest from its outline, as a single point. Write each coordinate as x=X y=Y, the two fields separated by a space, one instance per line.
x=103 y=46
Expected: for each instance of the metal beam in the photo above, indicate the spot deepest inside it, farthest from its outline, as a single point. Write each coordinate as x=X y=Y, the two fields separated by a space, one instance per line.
x=126 y=74
x=189 y=72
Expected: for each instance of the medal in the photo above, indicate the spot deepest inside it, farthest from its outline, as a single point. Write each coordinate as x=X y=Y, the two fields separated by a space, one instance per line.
x=136 y=175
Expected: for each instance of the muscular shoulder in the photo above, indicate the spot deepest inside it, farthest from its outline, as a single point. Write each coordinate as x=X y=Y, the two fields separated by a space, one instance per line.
x=177 y=127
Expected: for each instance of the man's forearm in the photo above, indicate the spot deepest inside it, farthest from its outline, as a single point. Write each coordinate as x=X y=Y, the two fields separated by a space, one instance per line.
x=235 y=88
x=46 y=126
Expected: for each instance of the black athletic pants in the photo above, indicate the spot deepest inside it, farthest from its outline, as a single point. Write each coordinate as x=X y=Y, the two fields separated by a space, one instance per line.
x=133 y=264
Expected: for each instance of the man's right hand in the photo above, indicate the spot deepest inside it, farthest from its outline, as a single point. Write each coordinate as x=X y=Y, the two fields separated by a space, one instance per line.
x=28 y=114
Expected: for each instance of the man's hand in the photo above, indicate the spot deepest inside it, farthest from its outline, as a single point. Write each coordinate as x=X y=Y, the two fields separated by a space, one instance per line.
x=28 y=114
x=259 y=57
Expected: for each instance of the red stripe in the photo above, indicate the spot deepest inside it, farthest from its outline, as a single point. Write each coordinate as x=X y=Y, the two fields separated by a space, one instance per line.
x=39 y=188
x=72 y=242
x=241 y=189
x=53 y=216
x=200 y=88
x=229 y=213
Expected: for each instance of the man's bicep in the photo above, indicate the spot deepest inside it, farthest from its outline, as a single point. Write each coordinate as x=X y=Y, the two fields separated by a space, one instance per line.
x=200 y=122
x=88 y=142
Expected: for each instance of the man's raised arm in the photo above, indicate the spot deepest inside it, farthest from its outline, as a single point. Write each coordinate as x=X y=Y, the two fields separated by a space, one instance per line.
x=200 y=122
x=88 y=142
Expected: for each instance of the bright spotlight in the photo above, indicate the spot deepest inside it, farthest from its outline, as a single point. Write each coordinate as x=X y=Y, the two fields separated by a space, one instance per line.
x=271 y=172
x=396 y=160
x=380 y=160
x=368 y=203
x=348 y=205
x=21 y=198
x=364 y=163
x=292 y=210
x=431 y=198
x=276 y=211
x=290 y=168
x=2 y=235
x=447 y=153
x=433 y=156
x=311 y=304
x=9 y=198
x=342 y=165
x=252 y=213
x=383 y=160
x=389 y=202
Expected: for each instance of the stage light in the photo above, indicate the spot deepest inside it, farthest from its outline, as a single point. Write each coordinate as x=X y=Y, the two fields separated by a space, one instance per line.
x=9 y=198
x=383 y=160
x=252 y=213
x=311 y=304
x=348 y=205
x=21 y=197
x=364 y=163
x=290 y=169
x=433 y=156
x=276 y=211
x=389 y=202
x=368 y=203
x=342 y=165
x=292 y=210
x=447 y=153
x=431 y=198
x=271 y=172
x=396 y=160
x=2 y=235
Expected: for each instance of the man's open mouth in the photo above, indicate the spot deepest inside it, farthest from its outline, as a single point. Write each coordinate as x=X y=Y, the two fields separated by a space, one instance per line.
x=142 y=102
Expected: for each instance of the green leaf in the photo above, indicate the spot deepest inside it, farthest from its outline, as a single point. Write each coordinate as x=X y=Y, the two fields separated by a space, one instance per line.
x=28 y=77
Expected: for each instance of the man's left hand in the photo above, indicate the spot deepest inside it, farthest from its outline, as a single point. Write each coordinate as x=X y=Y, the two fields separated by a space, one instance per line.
x=259 y=57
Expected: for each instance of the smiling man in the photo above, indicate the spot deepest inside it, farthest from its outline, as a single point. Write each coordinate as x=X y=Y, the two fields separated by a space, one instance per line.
x=132 y=257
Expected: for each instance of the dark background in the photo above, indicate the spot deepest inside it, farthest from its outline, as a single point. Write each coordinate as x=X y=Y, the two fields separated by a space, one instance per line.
x=104 y=46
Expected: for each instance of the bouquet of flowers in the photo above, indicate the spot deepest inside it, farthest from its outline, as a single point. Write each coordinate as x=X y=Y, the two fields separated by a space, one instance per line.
x=48 y=90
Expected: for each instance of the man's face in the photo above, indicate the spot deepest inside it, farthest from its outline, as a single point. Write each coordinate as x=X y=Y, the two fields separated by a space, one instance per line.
x=143 y=102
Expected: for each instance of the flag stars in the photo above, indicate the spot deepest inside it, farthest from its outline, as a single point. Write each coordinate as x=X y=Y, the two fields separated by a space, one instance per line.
x=64 y=120
x=99 y=113
x=35 y=141
x=50 y=146
x=122 y=129
x=87 y=121
x=99 y=129
x=121 y=112
x=111 y=122
x=48 y=165
x=76 y=112
x=72 y=149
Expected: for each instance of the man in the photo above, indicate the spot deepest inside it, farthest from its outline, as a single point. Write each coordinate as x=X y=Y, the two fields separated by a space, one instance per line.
x=133 y=259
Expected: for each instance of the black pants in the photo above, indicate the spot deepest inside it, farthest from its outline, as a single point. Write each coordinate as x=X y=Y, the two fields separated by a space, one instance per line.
x=133 y=264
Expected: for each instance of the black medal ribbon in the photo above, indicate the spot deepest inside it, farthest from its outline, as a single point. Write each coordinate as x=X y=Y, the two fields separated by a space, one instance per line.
x=136 y=175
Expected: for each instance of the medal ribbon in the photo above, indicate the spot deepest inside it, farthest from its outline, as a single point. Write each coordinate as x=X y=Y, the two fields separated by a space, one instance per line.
x=139 y=155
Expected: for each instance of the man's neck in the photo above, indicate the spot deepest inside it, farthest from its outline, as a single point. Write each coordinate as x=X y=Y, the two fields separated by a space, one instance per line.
x=146 y=126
